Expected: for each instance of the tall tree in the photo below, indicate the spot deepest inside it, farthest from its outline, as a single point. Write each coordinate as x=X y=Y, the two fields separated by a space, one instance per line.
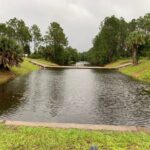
x=56 y=39
x=18 y=30
x=36 y=36
x=108 y=45
x=3 y=29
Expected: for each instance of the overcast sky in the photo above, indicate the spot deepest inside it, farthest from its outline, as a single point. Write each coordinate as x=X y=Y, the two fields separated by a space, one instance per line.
x=80 y=19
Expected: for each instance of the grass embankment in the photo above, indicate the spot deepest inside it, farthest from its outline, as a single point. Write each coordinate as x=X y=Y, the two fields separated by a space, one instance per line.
x=24 y=68
x=118 y=63
x=140 y=72
x=38 y=138
x=42 y=61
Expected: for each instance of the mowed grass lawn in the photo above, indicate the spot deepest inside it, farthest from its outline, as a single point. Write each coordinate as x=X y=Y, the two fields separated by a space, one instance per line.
x=119 y=62
x=43 y=61
x=140 y=72
x=38 y=138
x=24 y=68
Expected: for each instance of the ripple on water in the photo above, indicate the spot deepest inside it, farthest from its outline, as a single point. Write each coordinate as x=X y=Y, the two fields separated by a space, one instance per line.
x=76 y=96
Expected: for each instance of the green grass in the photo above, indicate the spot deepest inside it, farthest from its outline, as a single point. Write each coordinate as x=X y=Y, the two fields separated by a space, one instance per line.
x=140 y=71
x=42 y=61
x=118 y=63
x=30 y=138
x=24 y=68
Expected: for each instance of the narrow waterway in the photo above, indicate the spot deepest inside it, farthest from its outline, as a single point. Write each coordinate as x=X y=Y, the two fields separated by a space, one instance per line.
x=76 y=96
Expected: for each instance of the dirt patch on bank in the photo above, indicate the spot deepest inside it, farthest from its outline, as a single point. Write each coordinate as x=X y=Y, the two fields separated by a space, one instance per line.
x=5 y=76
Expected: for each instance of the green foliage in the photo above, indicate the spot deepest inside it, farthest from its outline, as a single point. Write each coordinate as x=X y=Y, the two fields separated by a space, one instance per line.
x=55 y=35
x=35 y=55
x=36 y=36
x=83 y=56
x=134 y=41
x=10 y=52
x=18 y=30
x=27 y=49
x=70 y=56
x=53 y=47
x=3 y=29
x=56 y=42
x=119 y=39
x=108 y=45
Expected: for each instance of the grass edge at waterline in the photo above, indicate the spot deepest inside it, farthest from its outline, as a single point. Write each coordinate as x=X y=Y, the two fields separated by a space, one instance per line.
x=41 y=138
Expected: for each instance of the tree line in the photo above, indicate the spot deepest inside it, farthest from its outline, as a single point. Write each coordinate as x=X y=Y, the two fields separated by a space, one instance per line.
x=116 y=39
x=16 y=39
x=120 y=39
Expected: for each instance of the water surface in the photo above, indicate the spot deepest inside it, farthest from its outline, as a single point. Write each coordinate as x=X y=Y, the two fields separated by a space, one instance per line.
x=76 y=96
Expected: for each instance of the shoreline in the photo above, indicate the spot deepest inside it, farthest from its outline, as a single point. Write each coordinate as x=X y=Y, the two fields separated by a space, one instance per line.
x=93 y=127
x=24 y=68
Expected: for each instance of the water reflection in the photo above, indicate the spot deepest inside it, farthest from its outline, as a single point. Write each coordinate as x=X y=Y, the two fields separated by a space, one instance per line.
x=79 y=96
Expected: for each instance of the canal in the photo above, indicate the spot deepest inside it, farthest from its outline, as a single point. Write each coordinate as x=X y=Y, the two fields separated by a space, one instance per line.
x=76 y=96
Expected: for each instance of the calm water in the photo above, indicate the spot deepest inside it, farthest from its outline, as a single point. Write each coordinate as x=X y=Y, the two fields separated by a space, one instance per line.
x=75 y=96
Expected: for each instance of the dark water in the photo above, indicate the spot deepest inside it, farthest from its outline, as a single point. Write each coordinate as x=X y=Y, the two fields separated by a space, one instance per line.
x=76 y=96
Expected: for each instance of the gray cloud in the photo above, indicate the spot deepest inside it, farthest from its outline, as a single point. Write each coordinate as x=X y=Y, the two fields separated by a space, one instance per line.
x=79 y=18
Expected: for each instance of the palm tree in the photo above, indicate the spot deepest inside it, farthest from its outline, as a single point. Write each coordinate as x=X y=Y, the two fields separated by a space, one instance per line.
x=10 y=53
x=134 y=41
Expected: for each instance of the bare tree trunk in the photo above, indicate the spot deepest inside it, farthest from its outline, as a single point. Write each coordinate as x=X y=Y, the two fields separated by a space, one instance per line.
x=135 y=59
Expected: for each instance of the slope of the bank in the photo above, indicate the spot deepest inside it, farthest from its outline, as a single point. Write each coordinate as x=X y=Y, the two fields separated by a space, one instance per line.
x=24 y=68
x=140 y=72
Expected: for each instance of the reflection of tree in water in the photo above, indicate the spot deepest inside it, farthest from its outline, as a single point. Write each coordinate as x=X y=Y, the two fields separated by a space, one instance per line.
x=11 y=95
x=56 y=89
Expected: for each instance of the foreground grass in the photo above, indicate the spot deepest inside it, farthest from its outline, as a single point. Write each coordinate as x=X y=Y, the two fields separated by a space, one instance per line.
x=30 y=138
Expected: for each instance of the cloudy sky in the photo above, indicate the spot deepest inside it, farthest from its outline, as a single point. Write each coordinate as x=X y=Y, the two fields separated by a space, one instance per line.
x=80 y=19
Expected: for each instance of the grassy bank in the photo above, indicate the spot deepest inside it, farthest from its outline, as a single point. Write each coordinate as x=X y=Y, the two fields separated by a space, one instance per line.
x=42 y=61
x=140 y=72
x=21 y=138
x=24 y=68
x=118 y=63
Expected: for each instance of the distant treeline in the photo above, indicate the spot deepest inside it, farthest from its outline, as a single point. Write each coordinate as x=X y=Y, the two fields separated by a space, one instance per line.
x=52 y=46
x=116 y=39
x=119 y=39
